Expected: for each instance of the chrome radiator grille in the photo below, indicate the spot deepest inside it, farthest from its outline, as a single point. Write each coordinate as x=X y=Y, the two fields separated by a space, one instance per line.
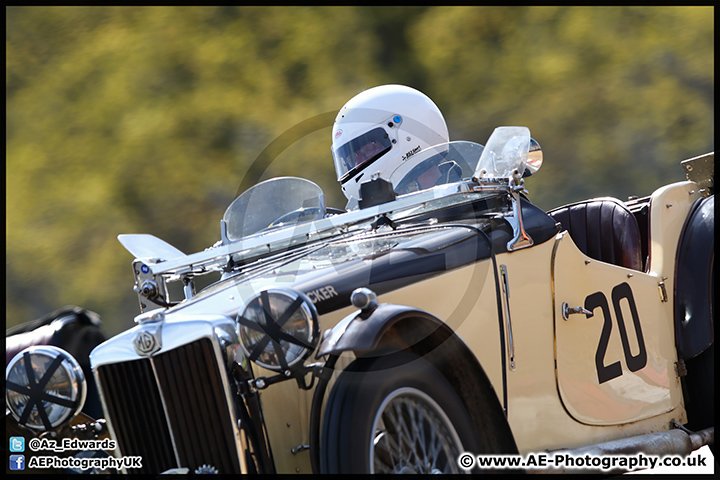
x=174 y=416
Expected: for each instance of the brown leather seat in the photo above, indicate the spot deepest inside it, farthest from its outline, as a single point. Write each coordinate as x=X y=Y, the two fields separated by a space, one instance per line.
x=603 y=229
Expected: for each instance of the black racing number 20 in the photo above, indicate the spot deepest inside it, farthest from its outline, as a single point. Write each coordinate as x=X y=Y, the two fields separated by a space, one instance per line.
x=633 y=362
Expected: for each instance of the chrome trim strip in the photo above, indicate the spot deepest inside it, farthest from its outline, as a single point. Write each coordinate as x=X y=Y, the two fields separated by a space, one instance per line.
x=165 y=412
x=508 y=322
x=226 y=382
x=111 y=431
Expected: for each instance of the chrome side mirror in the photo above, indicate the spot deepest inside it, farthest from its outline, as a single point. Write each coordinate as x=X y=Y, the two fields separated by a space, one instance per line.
x=534 y=160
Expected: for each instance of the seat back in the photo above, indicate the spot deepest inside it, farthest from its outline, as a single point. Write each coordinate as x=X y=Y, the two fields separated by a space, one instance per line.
x=603 y=229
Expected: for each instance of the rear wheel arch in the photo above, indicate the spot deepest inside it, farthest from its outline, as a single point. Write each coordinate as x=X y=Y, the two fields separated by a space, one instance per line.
x=695 y=314
x=694 y=277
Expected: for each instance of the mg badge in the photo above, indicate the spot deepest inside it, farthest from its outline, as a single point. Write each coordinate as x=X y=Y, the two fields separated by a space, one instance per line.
x=146 y=343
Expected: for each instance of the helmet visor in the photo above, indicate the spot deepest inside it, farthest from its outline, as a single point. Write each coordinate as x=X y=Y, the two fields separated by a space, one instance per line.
x=360 y=152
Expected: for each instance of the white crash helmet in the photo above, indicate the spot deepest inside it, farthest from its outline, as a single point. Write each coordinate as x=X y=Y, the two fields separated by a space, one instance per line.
x=380 y=128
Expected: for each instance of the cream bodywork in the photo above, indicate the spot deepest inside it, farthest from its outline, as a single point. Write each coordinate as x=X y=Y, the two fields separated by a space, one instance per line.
x=554 y=397
x=464 y=298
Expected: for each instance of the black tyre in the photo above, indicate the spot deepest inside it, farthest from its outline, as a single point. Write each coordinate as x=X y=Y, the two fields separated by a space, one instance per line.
x=394 y=414
x=700 y=383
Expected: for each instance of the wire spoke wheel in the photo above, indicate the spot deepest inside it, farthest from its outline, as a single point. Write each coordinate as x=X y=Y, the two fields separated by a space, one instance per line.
x=412 y=434
x=396 y=413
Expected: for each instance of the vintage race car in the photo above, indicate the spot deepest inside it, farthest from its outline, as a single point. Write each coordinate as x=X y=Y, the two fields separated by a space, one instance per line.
x=425 y=324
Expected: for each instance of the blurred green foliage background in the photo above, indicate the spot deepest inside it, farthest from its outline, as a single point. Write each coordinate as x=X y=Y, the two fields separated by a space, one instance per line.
x=152 y=119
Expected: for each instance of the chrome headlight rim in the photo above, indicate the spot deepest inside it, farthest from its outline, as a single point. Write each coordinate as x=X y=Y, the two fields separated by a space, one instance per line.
x=42 y=404
x=274 y=335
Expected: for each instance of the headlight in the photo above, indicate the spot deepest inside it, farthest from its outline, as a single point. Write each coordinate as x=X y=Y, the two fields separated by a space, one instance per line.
x=278 y=329
x=45 y=387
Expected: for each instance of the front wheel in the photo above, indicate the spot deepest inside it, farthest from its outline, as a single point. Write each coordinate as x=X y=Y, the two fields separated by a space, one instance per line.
x=394 y=414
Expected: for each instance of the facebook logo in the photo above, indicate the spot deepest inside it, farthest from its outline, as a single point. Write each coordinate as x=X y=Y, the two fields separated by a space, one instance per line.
x=17 y=462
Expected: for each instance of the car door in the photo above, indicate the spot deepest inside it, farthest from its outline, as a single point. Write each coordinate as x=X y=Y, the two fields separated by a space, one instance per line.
x=618 y=365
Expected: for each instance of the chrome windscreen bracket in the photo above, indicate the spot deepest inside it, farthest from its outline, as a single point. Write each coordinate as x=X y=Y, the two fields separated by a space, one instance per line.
x=521 y=239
